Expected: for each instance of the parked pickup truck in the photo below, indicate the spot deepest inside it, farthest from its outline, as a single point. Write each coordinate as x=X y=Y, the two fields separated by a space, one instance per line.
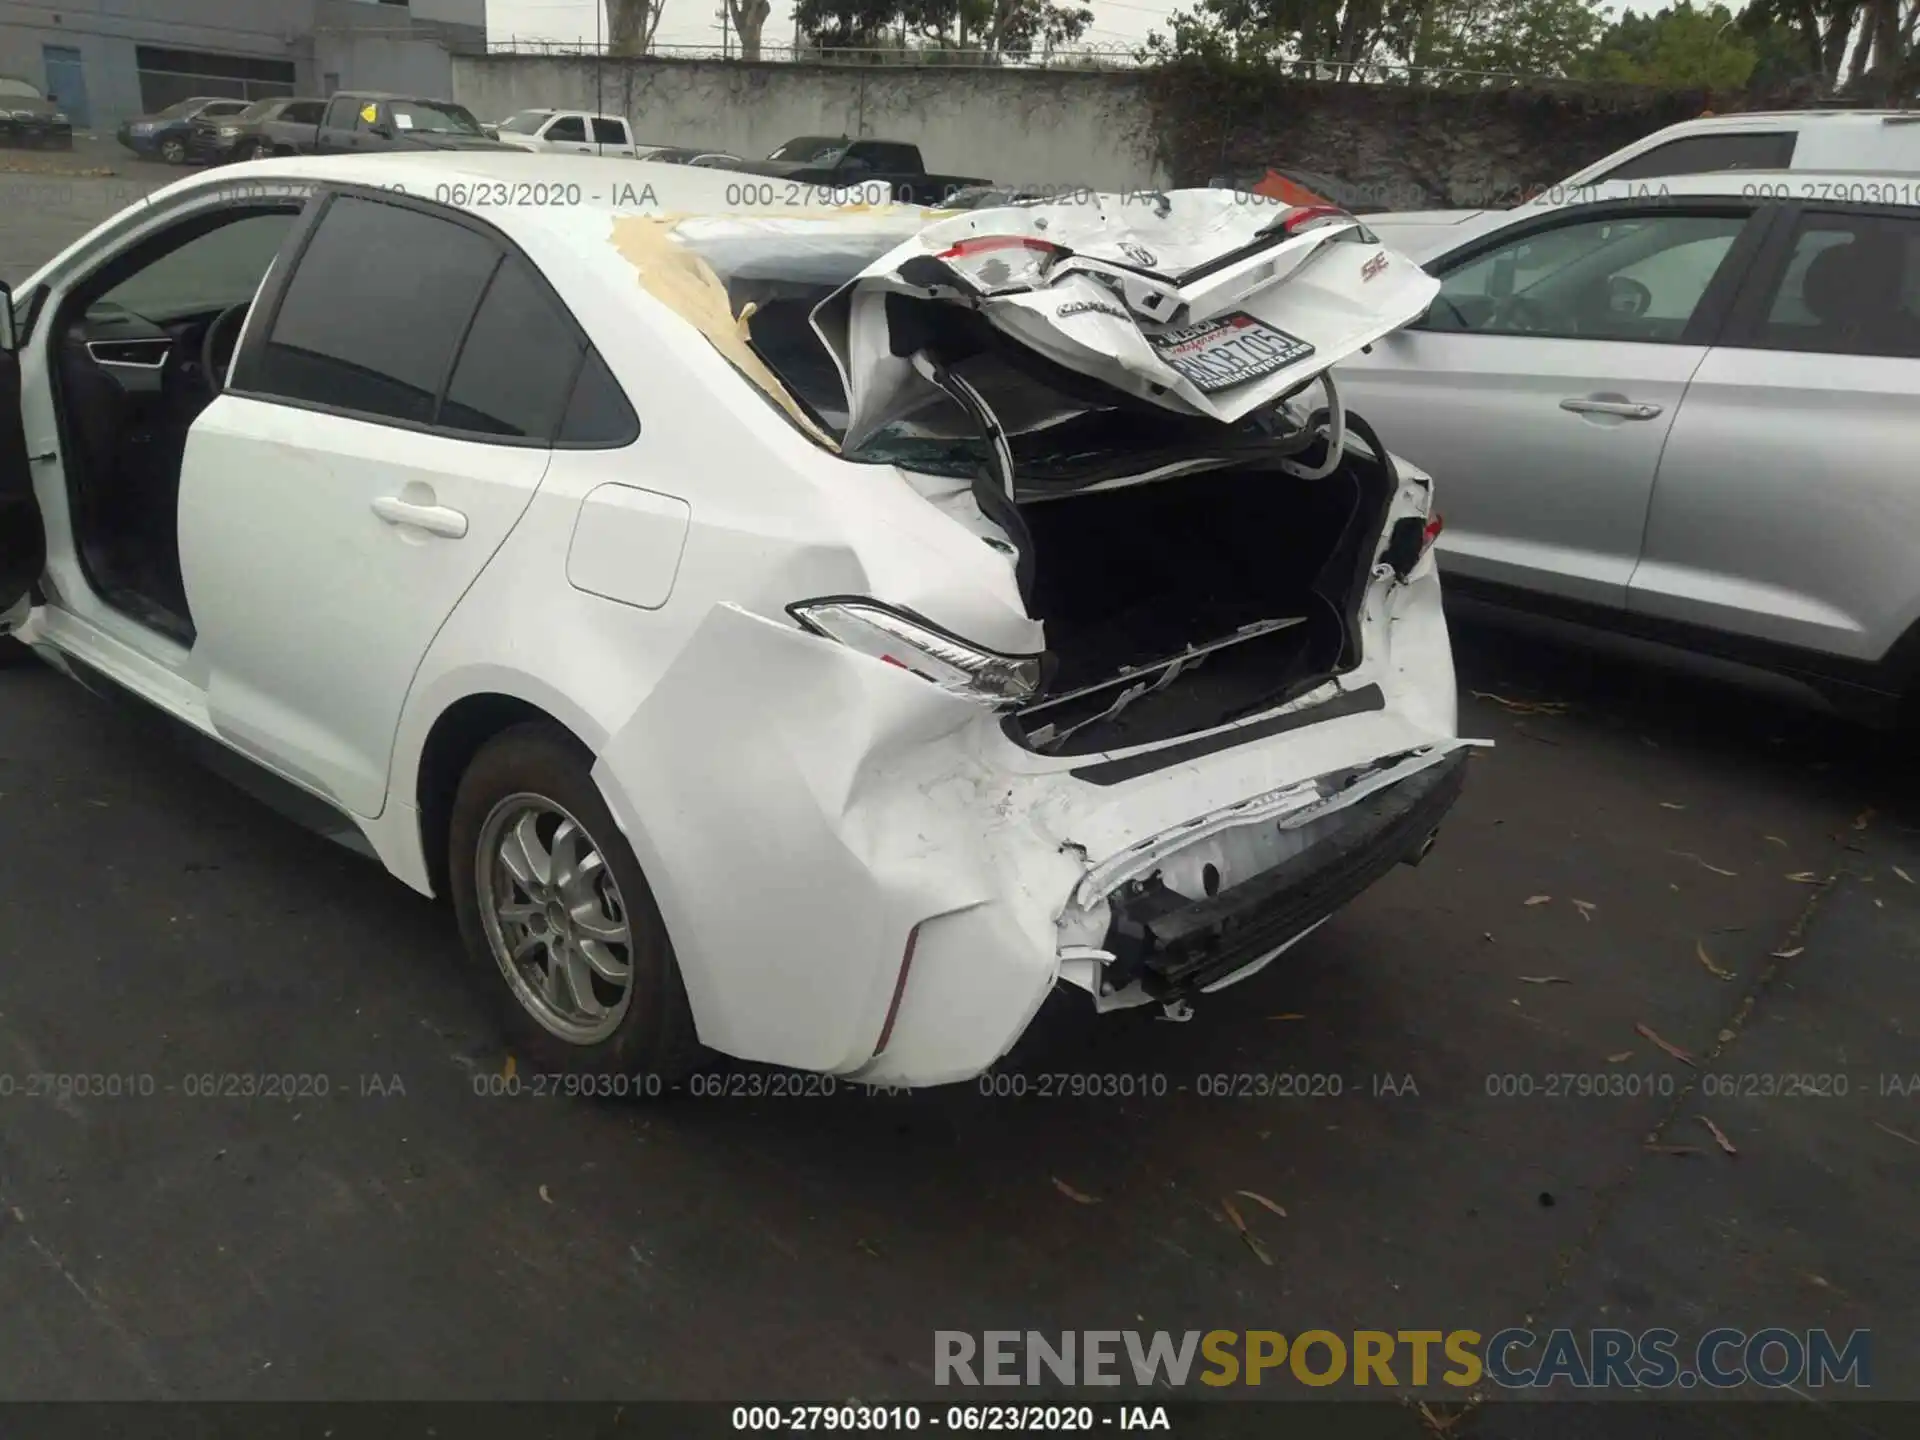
x=575 y=132
x=835 y=161
x=283 y=125
x=363 y=120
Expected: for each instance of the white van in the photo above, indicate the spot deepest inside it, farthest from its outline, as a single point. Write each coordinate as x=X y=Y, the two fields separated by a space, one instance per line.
x=1881 y=141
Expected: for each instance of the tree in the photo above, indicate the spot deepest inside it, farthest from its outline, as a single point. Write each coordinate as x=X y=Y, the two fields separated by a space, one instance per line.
x=749 y=21
x=846 y=24
x=1679 y=48
x=631 y=24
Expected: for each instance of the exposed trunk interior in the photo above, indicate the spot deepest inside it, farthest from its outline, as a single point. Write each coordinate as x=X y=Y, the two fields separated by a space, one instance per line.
x=1132 y=576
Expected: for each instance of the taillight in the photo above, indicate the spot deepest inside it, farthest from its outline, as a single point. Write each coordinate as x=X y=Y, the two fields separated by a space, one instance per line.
x=1435 y=524
x=1002 y=262
x=897 y=638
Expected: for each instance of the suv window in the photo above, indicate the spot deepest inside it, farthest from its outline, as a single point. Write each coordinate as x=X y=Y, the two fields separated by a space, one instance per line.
x=610 y=132
x=373 y=312
x=1709 y=155
x=517 y=365
x=1636 y=278
x=1850 y=286
x=567 y=127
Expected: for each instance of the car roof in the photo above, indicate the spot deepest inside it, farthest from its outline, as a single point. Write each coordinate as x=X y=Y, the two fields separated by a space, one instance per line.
x=1711 y=122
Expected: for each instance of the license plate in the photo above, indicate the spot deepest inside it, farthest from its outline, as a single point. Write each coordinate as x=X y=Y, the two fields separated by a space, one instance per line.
x=1231 y=350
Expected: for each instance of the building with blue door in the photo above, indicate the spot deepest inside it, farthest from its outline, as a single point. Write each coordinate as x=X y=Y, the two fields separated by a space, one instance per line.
x=105 y=61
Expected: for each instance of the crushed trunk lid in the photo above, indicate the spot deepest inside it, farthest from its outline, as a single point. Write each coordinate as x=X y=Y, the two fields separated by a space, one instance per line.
x=1203 y=302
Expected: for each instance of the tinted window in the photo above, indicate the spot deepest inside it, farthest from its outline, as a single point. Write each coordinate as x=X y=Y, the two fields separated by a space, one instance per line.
x=373 y=312
x=221 y=108
x=598 y=413
x=1639 y=277
x=1709 y=155
x=340 y=114
x=518 y=362
x=1851 y=285
x=567 y=127
x=211 y=271
x=610 y=132
x=882 y=156
x=302 y=112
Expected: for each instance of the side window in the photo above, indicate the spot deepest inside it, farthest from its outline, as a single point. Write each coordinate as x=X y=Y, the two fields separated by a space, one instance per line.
x=1710 y=155
x=567 y=127
x=373 y=312
x=610 y=132
x=1635 y=278
x=518 y=362
x=598 y=413
x=302 y=112
x=340 y=113
x=214 y=269
x=1851 y=286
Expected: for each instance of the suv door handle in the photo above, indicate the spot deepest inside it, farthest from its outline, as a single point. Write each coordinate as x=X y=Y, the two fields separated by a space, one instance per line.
x=1625 y=409
x=434 y=519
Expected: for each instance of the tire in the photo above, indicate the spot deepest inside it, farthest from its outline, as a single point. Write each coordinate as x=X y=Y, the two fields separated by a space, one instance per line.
x=173 y=151
x=539 y=772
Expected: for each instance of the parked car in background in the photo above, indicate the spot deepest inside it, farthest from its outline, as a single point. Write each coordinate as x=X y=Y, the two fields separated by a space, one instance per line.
x=1288 y=185
x=575 y=132
x=31 y=120
x=836 y=162
x=281 y=126
x=682 y=155
x=168 y=134
x=1686 y=409
x=594 y=601
x=367 y=122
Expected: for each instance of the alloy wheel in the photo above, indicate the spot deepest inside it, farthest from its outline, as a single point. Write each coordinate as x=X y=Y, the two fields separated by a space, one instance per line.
x=554 y=918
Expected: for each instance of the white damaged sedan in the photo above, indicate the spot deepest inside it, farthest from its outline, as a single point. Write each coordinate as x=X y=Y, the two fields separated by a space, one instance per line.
x=805 y=634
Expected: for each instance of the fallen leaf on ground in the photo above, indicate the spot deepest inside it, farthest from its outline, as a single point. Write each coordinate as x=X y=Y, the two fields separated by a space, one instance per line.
x=1903 y=874
x=1072 y=1194
x=1897 y=1134
x=1676 y=1150
x=1523 y=707
x=1776 y=840
x=1586 y=908
x=1689 y=855
x=1253 y=1241
x=506 y=1071
x=1538 y=899
x=545 y=1196
x=1643 y=1029
x=1669 y=805
x=1804 y=877
x=868 y=1248
x=1288 y=1016
x=1719 y=1136
x=1788 y=954
x=1544 y=980
x=1700 y=949
x=1260 y=1199
x=1624 y=1055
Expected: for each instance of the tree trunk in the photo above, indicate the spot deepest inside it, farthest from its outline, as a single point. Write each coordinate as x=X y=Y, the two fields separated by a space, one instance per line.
x=1834 y=46
x=627 y=28
x=749 y=22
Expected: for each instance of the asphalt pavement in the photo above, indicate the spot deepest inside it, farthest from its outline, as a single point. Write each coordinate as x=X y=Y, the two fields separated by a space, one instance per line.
x=1645 y=864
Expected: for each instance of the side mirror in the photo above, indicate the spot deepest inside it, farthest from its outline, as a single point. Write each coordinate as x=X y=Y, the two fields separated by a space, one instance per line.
x=382 y=128
x=9 y=337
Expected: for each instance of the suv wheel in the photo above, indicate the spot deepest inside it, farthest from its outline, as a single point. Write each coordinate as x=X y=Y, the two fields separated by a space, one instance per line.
x=173 y=150
x=553 y=908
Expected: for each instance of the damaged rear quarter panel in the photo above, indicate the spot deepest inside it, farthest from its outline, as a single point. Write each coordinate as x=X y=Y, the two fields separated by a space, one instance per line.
x=799 y=808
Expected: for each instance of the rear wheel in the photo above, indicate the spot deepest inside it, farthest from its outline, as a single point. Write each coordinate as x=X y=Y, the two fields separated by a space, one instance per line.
x=173 y=150
x=555 y=912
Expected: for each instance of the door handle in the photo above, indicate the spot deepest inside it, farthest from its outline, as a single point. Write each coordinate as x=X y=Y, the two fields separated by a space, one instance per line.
x=1625 y=409
x=434 y=519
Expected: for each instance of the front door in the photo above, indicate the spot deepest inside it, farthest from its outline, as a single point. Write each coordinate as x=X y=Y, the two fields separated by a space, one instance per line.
x=67 y=83
x=1540 y=389
x=390 y=416
x=23 y=536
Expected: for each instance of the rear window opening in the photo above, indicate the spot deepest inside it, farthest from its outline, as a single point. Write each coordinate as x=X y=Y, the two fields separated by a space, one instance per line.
x=1226 y=552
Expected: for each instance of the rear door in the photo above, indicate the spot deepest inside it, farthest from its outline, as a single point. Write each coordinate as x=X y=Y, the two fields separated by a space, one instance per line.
x=1788 y=502
x=392 y=412
x=23 y=536
x=336 y=131
x=1541 y=385
x=611 y=137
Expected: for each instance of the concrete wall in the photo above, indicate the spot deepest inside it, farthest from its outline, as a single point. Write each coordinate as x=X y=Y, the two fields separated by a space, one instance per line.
x=1024 y=127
